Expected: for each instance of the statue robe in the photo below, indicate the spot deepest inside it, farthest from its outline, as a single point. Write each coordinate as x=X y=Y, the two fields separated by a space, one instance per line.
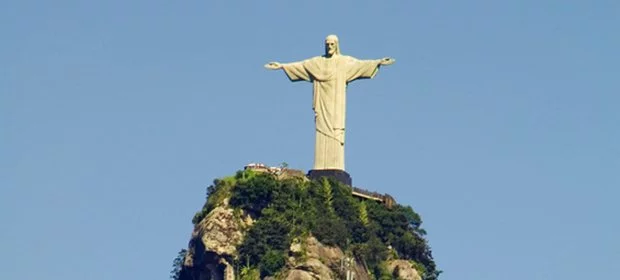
x=330 y=77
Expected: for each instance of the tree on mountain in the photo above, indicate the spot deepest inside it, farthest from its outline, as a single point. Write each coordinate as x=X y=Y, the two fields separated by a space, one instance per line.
x=177 y=264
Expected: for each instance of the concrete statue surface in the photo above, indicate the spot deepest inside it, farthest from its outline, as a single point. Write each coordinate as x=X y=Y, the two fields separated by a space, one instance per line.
x=330 y=75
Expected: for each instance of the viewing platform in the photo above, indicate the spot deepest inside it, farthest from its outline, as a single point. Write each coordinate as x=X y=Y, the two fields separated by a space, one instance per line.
x=386 y=199
x=282 y=172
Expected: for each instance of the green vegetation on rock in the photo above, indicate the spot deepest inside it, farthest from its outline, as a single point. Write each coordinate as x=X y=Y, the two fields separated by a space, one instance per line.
x=287 y=210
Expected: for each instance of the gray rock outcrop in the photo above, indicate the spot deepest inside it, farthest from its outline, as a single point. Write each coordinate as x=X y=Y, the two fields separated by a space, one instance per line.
x=213 y=244
x=403 y=269
x=312 y=260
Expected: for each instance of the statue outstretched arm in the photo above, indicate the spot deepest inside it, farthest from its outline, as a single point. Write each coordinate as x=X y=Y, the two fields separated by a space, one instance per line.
x=366 y=69
x=387 y=61
x=274 y=66
x=295 y=71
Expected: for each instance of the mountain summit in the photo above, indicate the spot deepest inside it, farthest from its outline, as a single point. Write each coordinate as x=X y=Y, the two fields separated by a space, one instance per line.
x=281 y=225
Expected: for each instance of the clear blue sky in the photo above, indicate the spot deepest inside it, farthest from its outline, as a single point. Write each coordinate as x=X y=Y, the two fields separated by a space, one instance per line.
x=499 y=123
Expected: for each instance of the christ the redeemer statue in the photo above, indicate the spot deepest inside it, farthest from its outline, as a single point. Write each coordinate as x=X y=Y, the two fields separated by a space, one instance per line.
x=330 y=75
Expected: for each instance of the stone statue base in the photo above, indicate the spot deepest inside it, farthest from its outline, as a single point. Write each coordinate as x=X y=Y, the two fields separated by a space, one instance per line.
x=339 y=175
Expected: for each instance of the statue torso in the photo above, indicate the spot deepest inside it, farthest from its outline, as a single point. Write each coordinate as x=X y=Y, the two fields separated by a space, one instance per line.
x=332 y=69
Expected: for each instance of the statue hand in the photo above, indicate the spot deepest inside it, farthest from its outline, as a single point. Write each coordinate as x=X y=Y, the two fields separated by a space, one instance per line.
x=387 y=61
x=273 y=65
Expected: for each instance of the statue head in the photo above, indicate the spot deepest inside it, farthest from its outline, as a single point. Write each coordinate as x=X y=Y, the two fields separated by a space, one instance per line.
x=331 y=46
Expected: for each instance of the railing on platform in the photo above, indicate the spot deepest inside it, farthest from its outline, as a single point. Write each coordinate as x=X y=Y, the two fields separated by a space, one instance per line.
x=365 y=194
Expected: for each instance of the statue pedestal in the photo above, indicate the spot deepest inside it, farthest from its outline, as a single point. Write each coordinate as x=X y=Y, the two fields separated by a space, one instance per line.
x=339 y=175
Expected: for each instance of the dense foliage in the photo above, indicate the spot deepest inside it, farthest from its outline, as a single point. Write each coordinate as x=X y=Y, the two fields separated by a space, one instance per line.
x=292 y=208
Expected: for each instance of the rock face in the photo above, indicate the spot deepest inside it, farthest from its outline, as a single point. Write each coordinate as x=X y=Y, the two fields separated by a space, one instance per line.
x=312 y=260
x=219 y=232
x=213 y=244
x=310 y=269
x=403 y=270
